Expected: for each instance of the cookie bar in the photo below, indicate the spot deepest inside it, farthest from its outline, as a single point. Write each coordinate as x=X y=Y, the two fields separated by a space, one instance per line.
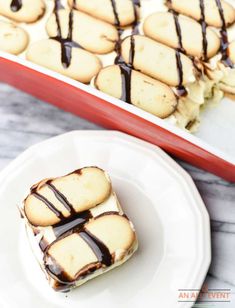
x=76 y=227
x=22 y=10
x=220 y=15
x=13 y=39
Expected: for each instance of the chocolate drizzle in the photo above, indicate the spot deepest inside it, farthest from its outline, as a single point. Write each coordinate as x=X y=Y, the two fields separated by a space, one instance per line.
x=100 y=250
x=57 y=272
x=116 y=17
x=181 y=90
x=61 y=198
x=126 y=72
x=126 y=68
x=66 y=43
x=224 y=38
x=16 y=5
x=204 y=30
x=71 y=224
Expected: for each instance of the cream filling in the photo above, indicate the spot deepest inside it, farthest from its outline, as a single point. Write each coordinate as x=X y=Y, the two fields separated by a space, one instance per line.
x=109 y=205
x=200 y=93
x=227 y=82
x=225 y=76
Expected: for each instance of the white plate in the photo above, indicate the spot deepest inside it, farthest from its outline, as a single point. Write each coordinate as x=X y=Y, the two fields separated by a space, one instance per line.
x=160 y=198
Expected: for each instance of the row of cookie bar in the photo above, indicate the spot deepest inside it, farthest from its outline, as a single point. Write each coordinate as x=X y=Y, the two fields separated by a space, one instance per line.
x=171 y=67
x=77 y=228
x=220 y=15
x=151 y=87
x=76 y=38
x=159 y=101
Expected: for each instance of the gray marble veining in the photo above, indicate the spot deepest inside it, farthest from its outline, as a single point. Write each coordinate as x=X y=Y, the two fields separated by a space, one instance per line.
x=24 y=121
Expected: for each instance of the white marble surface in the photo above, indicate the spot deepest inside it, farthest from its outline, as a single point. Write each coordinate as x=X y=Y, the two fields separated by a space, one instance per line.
x=25 y=121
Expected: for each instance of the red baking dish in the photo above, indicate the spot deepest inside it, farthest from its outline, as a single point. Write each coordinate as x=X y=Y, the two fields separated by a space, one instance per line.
x=212 y=149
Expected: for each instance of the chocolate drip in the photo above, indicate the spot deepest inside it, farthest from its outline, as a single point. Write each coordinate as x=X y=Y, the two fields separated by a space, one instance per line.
x=100 y=250
x=61 y=198
x=116 y=17
x=204 y=29
x=126 y=69
x=67 y=226
x=43 y=244
x=135 y=26
x=181 y=90
x=57 y=272
x=66 y=43
x=126 y=73
x=71 y=224
x=16 y=5
x=178 y=31
x=224 y=37
x=48 y=204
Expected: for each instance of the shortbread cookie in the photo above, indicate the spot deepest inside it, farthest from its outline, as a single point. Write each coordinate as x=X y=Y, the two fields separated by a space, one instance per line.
x=74 y=62
x=92 y=237
x=92 y=34
x=116 y=12
x=162 y=27
x=137 y=89
x=22 y=10
x=82 y=190
x=157 y=60
x=210 y=9
x=13 y=39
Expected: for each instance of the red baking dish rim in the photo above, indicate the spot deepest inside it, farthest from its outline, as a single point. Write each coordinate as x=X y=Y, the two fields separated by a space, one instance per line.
x=102 y=112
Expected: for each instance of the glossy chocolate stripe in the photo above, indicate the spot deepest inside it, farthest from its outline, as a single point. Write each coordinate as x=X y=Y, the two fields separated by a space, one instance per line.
x=126 y=69
x=181 y=90
x=116 y=17
x=66 y=43
x=61 y=198
x=126 y=83
x=224 y=37
x=48 y=204
x=100 y=250
x=43 y=244
x=204 y=28
x=56 y=271
x=16 y=5
x=71 y=224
